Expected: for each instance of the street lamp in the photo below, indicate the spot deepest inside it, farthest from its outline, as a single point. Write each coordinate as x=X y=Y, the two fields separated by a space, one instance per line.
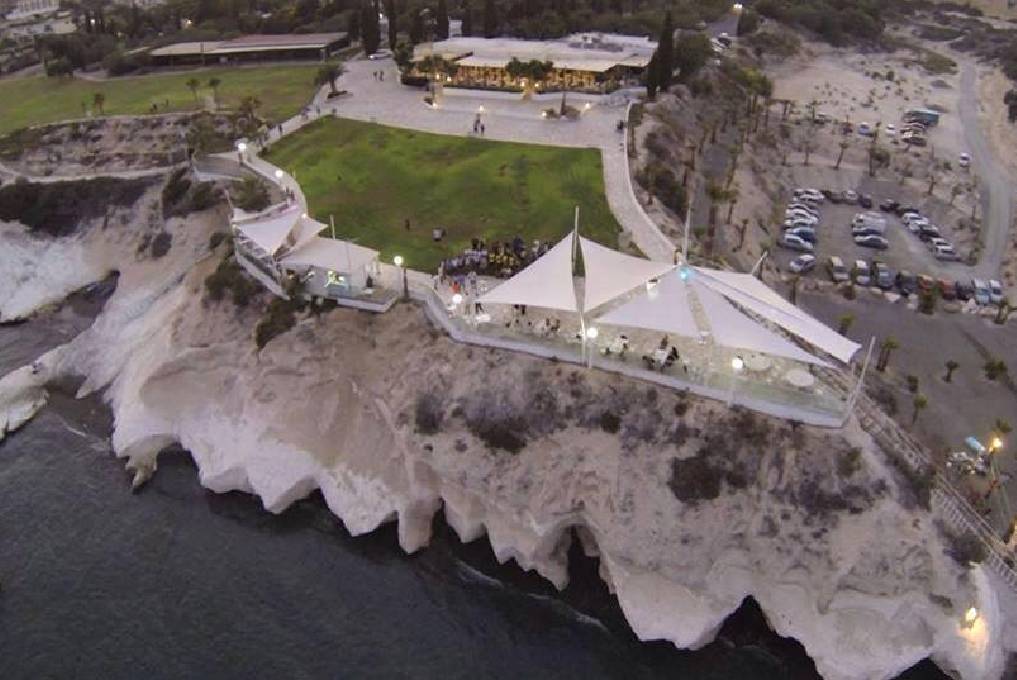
x=970 y=616
x=278 y=175
x=737 y=364
x=457 y=299
x=241 y=149
x=398 y=260
x=591 y=335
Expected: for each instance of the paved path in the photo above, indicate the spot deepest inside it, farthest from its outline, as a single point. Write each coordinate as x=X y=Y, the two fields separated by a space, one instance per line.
x=506 y=119
x=996 y=183
x=8 y=174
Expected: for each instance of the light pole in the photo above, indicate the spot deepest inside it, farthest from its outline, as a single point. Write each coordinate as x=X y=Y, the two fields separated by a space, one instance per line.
x=241 y=150
x=737 y=364
x=591 y=337
x=398 y=260
x=457 y=299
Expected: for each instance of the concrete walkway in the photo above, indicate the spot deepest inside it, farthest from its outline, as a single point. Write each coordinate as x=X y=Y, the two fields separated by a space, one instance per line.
x=507 y=119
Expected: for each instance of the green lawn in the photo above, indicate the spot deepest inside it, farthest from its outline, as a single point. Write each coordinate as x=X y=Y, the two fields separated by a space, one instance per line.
x=283 y=90
x=372 y=178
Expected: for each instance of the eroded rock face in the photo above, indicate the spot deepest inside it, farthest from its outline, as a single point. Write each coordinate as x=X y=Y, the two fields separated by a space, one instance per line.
x=690 y=506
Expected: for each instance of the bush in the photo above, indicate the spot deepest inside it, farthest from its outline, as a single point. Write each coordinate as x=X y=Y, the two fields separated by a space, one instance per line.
x=912 y=384
x=217 y=238
x=428 y=414
x=995 y=368
x=161 y=244
x=500 y=434
x=229 y=277
x=252 y=195
x=695 y=479
x=177 y=185
x=610 y=422
x=748 y=22
x=57 y=209
x=966 y=549
x=279 y=318
x=849 y=462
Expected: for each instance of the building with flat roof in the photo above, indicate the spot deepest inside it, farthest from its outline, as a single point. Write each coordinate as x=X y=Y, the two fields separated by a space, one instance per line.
x=258 y=47
x=588 y=62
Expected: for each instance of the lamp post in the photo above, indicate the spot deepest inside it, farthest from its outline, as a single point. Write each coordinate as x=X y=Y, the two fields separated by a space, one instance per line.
x=970 y=617
x=457 y=299
x=398 y=260
x=241 y=150
x=737 y=364
x=591 y=336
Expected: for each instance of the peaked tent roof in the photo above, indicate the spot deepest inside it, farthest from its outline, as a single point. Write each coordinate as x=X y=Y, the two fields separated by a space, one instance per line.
x=753 y=294
x=545 y=283
x=663 y=308
x=734 y=329
x=270 y=230
x=339 y=256
x=610 y=273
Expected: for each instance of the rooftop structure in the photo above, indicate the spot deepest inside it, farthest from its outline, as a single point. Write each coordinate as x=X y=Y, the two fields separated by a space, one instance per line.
x=309 y=46
x=583 y=61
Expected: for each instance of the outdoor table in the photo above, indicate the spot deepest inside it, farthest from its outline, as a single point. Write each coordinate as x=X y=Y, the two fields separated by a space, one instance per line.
x=483 y=317
x=660 y=356
x=758 y=363
x=800 y=378
x=617 y=346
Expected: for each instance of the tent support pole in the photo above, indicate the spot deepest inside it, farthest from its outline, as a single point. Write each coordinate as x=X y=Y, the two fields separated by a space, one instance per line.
x=759 y=264
x=688 y=227
x=331 y=223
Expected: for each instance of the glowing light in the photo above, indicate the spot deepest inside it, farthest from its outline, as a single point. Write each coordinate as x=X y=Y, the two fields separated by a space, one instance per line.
x=480 y=109
x=398 y=259
x=592 y=333
x=995 y=445
x=684 y=274
x=970 y=616
x=588 y=105
x=737 y=7
x=651 y=284
x=737 y=363
x=278 y=174
x=457 y=299
x=304 y=215
x=241 y=146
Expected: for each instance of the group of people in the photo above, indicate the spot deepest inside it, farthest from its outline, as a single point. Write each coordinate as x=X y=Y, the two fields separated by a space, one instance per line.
x=500 y=259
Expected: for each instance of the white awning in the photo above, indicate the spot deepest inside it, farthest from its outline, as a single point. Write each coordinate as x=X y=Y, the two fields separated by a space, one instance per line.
x=270 y=231
x=610 y=273
x=731 y=328
x=327 y=253
x=545 y=283
x=665 y=307
x=753 y=294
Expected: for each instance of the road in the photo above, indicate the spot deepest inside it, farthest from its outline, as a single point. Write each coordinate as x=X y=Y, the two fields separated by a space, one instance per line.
x=996 y=184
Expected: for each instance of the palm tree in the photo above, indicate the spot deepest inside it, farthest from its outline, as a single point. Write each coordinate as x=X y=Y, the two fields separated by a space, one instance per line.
x=919 y=403
x=843 y=147
x=1001 y=427
x=845 y=323
x=193 y=85
x=885 y=350
x=951 y=366
x=329 y=73
x=99 y=101
x=214 y=83
x=248 y=106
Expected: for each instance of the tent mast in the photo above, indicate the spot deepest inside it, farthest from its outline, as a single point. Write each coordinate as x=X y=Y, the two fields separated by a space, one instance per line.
x=857 y=389
x=575 y=255
x=688 y=228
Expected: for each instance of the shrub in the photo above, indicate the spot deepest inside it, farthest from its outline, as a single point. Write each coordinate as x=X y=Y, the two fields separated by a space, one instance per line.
x=849 y=462
x=252 y=195
x=217 y=238
x=279 y=318
x=995 y=368
x=912 y=384
x=428 y=414
x=500 y=434
x=695 y=479
x=966 y=549
x=57 y=209
x=161 y=244
x=177 y=185
x=748 y=22
x=609 y=422
x=229 y=277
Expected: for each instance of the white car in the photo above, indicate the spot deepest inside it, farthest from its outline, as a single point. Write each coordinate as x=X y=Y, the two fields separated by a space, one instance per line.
x=914 y=219
x=792 y=242
x=803 y=206
x=945 y=253
x=891 y=130
x=995 y=292
x=850 y=197
x=813 y=195
x=861 y=273
x=965 y=160
x=982 y=294
x=800 y=220
x=864 y=129
x=803 y=264
x=380 y=54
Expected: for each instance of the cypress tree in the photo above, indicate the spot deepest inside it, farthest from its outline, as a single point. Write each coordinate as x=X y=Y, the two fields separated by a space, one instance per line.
x=369 y=28
x=652 y=77
x=467 y=19
x=665 y=53
x=441 y=21
x=416 y=28
x=490 y=19
x=393 y=30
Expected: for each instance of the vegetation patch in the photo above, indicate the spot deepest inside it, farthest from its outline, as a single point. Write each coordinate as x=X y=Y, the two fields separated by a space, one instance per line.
x=252 y=195
x=230 y=279
x=279 y=318
x=56 y=209
x=429 y=414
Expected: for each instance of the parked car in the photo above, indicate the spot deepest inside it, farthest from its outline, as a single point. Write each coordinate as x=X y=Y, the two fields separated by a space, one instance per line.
x=800 y=215
x=891 y=130
x=883 y=277
x=866 y=230
x=903 y=209
x=965 y=291
x=945 y=254
x=995 y=292
x=865 y=129
x=869 y=219
x=927 y=232
x=836 y=269
x=938 y=242
x=982 y=294
x=792 y=242
x=888 y=205
x=909 y=217
x=861 y=273
x=947 y=289
x=914 y=139
x=865 y=200
x=814 y=195
x=964 y=160
x=872 y=241
x=806 y=233
x=834 y=196
x=802 y=206
x=907 y=283
x=380 y=54
x=850 y=197
x=803 y=264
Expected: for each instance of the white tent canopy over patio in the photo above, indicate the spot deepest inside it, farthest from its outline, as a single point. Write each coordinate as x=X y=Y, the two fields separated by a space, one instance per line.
x=671 y=303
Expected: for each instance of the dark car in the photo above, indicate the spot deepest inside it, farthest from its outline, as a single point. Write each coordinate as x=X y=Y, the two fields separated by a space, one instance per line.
x=947 y=289
x=888 y=205
x=901 y=209
x=907 y=283
x=926 y=232
x=872 y=241
x=865 y=200
x=965 y=291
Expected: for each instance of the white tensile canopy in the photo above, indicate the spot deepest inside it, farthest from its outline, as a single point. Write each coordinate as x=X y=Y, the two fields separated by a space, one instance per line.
x=545 y=283
x=270 y=229
x=754 y=295
x=731 y=328
x=610 y=273
x=665 y=307
x=339 y=256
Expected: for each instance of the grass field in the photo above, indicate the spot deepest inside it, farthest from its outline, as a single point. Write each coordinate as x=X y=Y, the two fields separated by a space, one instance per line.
x=372 y=178
x=283 y=90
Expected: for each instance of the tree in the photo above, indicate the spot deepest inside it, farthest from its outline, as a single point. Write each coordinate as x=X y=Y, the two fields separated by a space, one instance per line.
x=843 y=147
x=665 y=54
x=370 y=30
x=249 y=106
x=886 y=348
x=919 y=403
x=441 y=21
x=329 y=73
x=467 y=28
x=845 y=323
x=951 y=366
x=193 y=84
x=691 y=54
x=99 y=101
x=652 y=79
x=214 y=83
x=59 y=67
x=393 y=26
x=490 y=19
x=417 y=28
x=748 y=22
x=1001 y=427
